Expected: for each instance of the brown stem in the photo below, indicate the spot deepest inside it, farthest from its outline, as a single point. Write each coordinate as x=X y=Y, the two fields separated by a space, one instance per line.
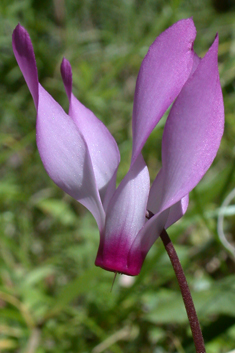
x=188 y=301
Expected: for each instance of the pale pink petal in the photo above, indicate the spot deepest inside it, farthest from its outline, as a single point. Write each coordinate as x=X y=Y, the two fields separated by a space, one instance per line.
x=164 y=71
x=146 y=238
x=65 y=155
x=177 y=211
x=125 y=217
x=152 y=230
x=62 y=148
x=102 y=147
x=191 y=136
x=196 y=61
x=109 y=191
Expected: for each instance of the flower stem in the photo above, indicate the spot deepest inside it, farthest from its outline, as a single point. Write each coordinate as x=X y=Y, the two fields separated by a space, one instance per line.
x=188 y=301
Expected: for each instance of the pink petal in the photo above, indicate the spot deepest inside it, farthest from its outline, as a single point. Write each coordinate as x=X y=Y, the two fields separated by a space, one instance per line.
x=191 y=136
x=125 y=217
x=62 y=148
x=163 y=72
x=102 y=147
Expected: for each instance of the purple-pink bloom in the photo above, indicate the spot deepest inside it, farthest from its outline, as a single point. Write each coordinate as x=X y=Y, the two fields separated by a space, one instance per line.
x=81 y=156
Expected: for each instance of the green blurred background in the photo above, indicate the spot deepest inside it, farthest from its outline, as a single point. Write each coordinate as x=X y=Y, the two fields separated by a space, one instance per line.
x=52 y=297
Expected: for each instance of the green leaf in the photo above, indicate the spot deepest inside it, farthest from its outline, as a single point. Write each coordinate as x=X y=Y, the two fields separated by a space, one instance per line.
x=80 y=286
x=58 y=209
x=37 y=274
x=167 y=307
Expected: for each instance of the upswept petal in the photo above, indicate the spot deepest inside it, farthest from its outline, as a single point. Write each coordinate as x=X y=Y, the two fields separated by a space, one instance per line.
x=191 y=136
x=102 y=147
x=125 y=217
x=62 y=148
x=163 y=72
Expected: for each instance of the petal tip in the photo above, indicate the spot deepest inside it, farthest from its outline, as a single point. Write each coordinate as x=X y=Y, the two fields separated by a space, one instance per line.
x=24 y=54
x=211 y=57
x=19 y=29
x=215 y=44
x=187 y=22
x=65 y=65
x=21 y=41
x=66 y=73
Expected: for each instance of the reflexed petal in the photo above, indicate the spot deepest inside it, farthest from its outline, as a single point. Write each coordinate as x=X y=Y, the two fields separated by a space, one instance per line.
x=127 y=209
x=177 y=211
x=148 y=235
x=109 y=191
x=153 y=228
x=125 y=217
x=196 y=61
x=101 y=144
x=155 y=194
x=164 y=71
x=65 y=155
x=62 y=148
x=191 y=136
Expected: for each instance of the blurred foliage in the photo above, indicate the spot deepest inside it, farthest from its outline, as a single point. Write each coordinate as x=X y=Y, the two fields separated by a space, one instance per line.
x=52 y=297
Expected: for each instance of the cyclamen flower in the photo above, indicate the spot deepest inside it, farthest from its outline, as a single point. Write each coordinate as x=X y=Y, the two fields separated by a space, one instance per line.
x=81 y=156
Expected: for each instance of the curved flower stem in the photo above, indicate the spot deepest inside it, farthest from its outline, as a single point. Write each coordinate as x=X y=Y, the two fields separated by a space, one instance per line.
x=188 y=301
